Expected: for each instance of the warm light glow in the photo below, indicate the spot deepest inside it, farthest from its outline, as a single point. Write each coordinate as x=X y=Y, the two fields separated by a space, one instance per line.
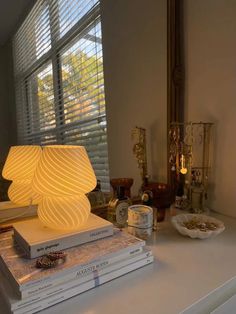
x=64 y=170
x=64 y=213
x=63 y=176
x=21 y=162
x=20 y=192
x=183 y=169
x=19 y=167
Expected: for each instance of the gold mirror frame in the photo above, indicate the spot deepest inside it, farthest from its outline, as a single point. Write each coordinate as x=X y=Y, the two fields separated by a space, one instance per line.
x=175 y=71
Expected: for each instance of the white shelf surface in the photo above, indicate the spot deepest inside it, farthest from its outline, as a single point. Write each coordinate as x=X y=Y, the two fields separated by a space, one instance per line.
x=185 y=271
x=227 y=307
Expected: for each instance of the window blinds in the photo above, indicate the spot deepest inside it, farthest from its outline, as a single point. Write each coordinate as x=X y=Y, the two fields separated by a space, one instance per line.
x=59 y=79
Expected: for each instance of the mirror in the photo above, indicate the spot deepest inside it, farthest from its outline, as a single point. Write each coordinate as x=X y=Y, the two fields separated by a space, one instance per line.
x=143 y=82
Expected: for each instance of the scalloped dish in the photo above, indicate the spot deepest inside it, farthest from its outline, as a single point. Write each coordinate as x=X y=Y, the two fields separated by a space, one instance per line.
x=197 y=226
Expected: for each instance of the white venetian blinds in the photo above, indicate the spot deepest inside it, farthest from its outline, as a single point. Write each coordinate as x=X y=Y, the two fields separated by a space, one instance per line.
x=59 y=79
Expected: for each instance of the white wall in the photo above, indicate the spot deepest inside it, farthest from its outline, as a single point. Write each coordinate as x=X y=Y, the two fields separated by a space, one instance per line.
x=135 y=52
x=210 y=51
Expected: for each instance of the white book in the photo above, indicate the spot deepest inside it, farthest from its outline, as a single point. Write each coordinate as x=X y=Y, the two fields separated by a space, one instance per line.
x=37 y=239
x=77 y=289
x=23 y=274
x=80 y=275
x=14 y=303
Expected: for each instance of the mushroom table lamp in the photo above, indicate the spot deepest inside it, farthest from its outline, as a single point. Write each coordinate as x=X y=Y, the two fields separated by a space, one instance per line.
x=63 y=176
x=19 y=167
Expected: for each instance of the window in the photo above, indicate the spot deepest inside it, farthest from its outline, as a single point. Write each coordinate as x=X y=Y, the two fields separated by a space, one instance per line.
x=59 y=79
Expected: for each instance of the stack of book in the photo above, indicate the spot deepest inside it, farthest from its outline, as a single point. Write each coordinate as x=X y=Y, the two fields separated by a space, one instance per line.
x=28 y=289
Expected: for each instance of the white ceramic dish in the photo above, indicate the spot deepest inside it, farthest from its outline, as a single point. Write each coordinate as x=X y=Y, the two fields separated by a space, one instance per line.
x=179 y=220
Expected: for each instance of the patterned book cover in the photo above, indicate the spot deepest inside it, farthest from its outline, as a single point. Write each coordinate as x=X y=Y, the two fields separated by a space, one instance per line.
x=6 y=240
x=23 y=273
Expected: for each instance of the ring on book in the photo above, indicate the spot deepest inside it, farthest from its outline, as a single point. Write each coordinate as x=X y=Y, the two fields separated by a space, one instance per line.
x=51 y=260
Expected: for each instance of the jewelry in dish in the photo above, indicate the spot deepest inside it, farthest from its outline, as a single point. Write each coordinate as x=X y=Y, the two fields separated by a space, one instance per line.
x=197 y=226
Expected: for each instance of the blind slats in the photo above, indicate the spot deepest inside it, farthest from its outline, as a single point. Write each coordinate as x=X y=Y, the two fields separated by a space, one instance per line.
x=59 y=79
x=47 y=16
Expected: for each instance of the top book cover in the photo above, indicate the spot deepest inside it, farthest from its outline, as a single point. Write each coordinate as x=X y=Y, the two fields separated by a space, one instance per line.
x=38 y=239
x=38 y=233
x=23 y=273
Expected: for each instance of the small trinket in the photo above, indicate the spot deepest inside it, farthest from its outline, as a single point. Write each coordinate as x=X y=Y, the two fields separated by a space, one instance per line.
x=51 y=260
x=45 y=262
x=56 y=255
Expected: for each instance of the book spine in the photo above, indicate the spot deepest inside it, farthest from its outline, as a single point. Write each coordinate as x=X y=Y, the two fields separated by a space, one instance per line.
x=78 y=281
x=77 y=289
x=80 y=272
x=40 y=249
x=8 y=275
x=18 y=240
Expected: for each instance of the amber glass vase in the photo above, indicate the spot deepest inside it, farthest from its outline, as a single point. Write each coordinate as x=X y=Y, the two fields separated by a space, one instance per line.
x=161 y=194
x=124 y=182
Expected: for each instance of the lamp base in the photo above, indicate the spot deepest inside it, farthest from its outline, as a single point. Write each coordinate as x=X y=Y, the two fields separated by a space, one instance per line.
x=36 y=239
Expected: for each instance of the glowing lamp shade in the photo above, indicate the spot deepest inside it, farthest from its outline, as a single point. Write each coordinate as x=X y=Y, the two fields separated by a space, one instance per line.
x=19 y=167
x=63 y=176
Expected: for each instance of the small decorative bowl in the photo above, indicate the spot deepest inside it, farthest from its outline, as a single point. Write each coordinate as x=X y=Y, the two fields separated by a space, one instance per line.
x=197 y=226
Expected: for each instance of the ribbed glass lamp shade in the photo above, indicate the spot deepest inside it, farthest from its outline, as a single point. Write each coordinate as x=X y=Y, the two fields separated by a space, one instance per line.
x=21 y=162
x=64 y=170
x=64 y=213
x=63 y=176
x=20 y=192
x=19 y=167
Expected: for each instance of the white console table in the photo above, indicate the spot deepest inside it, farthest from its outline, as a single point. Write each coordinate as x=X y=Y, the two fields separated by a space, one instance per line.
x=184 y=271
